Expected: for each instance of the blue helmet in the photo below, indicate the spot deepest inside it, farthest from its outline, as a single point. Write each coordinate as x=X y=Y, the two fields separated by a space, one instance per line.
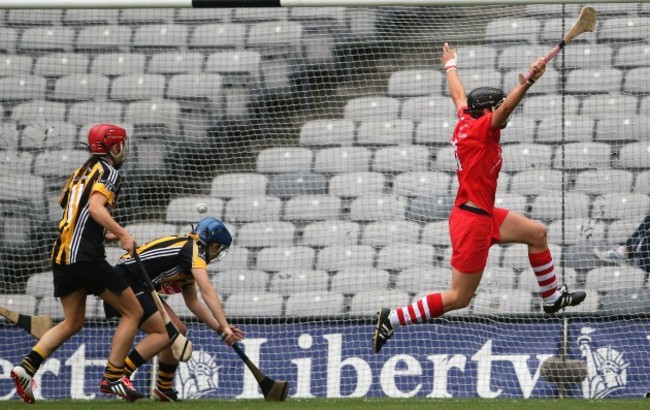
x=211 y=230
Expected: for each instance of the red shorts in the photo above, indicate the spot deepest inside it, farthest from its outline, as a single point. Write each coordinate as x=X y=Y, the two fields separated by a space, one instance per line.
x=472 y=235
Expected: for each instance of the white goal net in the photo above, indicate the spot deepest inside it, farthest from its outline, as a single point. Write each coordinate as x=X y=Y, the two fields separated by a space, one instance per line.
x=320 y=136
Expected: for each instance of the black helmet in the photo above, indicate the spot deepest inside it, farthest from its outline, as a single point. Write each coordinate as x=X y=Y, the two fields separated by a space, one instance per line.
x=482 y=98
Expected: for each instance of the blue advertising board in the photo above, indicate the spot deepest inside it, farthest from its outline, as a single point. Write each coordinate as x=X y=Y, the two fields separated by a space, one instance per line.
x=481 y=358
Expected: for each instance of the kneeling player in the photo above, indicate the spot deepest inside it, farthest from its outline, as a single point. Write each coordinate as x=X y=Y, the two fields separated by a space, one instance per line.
x=175 y=264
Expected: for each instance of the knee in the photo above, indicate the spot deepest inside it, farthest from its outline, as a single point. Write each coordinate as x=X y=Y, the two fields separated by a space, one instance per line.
x=133 y=312
x=73 y=325
x=538 y=235
x=458 y=300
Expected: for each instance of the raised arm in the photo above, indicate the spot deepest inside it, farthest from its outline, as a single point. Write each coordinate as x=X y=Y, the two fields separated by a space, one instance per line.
x=456 y=89
x=505 y=110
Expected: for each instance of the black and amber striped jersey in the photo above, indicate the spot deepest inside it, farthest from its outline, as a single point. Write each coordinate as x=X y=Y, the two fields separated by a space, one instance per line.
x=81 y=238
x=168 y=261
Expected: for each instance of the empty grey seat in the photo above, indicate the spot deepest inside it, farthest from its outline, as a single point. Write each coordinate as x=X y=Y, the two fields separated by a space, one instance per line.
x=327 y=132
x=297 y=183
x=220 y=35
x=436 y=233
x=480 y=77
x=342 y=256
x=549 y=206
x=434 y=131
x=253 y=209
x=577 y=231
x=642 y=183
x=10 y=39
x=516 y=256
x=240 y=281
x=46 y=39
x=536 y=182
x=498 y=303
x=27 y=17
x=579 y=257
x=183 y=210
x=176 y=63
x=423 y=279
x=289 y=282
x=156 y=112
x=237 y=258
x=421 y=183
x=594 y=80
x=434 y=108
x=16 y=162
x=610 y=106
x=616 y=205
x=512 y=30
x=548 y=84
x=327 y=233
x=147 y=231
x=377 y=207
x=38 y=110
x=238 y=185
x=259 y=14
x=9 y=137
x=555 y=28
x=276 y=39
x=318 y=303
x=497 y=278
x=284 y=159
x=544 y=106
x=104 y=38
x=304 y=208
x=584 y=56
x=263 y=234
x=262 y=304
x=446 y=160
x=17 y=228
x=114 y=64
x=49 y=135
x=602 y=181
x=342 y=159
x=415 y=82
x=519 y=57
x=632 y=56
x=379 y=132
x=403 y=158
x=620 y=29
x=521 y=157
x=25 y=87
x=160 y=36
x=619 y=231
x=286 y=258
x=644 y=108
x=76 y=87
x=27 y=188
x=144 y=16
x=570 y=128
x=429 y=208
x=318 y=17
x=138 y=87
x=400 y=256
x=583 y=155
x=15 y=65
x=96 y=112
x=192 y=87
x=609 y=278
x=479 y=56
x=90 y=16
x=626 y=301
x=519 y=129
x=354 y=184
x=384 y=233
x=25 y=304
x=40 y=284
x=511 y=201
x=365 y=303
x=636 y=80
x=240 y=67
x=59 y=64
x=351 y=281
x=634 y=155
x=369 y=108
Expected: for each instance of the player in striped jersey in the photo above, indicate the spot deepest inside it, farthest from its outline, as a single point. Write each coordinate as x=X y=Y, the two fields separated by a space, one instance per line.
x=79 y=263
x=176 y=264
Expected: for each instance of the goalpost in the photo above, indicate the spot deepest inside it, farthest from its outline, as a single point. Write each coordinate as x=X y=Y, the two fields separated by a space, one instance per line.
x=320 y=136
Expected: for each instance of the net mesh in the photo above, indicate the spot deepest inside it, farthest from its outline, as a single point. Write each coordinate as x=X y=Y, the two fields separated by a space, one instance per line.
x=320 y=136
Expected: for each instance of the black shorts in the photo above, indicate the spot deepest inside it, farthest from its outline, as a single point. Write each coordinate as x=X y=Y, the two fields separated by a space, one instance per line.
x=94 y=277
x=144 y=298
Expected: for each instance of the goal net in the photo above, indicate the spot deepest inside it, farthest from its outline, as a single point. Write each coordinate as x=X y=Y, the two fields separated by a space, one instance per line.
x=320 y=136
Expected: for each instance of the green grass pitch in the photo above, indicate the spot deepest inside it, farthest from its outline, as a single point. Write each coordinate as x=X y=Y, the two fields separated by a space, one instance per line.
x=344 y=404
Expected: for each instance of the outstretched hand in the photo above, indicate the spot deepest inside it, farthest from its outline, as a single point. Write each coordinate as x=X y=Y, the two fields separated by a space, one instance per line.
x=538 y=68
x=448 y=54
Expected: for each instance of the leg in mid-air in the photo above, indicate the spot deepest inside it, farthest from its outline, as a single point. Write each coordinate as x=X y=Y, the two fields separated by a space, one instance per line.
x=516 y=228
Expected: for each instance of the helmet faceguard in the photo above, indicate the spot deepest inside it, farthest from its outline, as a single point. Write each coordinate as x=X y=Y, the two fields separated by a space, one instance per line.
x=214 y=236
x=108 y=139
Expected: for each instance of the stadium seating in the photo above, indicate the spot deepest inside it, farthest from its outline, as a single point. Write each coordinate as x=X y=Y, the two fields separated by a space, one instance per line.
x=263 y=234
x=413 y=83
x=315 y=304
x=115 y=64
x=176 y=63
x=379 y=133
x=342 y=160
x=238 y=185
x=291 y=282
x=218 y=36
x=239 y=281
x=262 y=304
x=182 y=210
x=59 y=64
x=352 y=281
x=327 y=233
x=305 y=208
x=340 y=256
x=104 y=38
x=322 y=133
x=365 y=304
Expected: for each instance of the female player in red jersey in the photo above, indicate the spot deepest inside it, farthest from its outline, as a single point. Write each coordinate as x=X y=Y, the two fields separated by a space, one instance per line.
x=475 y=224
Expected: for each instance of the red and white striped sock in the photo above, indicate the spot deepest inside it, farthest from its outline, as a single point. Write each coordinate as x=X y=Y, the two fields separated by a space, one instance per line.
x=542 y=264
x=426 y=308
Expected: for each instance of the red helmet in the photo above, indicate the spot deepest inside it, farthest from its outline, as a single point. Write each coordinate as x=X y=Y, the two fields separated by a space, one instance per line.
x=102 y=137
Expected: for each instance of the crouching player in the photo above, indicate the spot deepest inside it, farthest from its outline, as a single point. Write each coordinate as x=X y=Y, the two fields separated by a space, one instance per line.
x=176 y=264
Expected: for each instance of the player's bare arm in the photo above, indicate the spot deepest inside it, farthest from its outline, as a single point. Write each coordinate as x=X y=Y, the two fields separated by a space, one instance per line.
x=505 y=110
x=98 y=211
x=213 y=315
x=456 y=89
